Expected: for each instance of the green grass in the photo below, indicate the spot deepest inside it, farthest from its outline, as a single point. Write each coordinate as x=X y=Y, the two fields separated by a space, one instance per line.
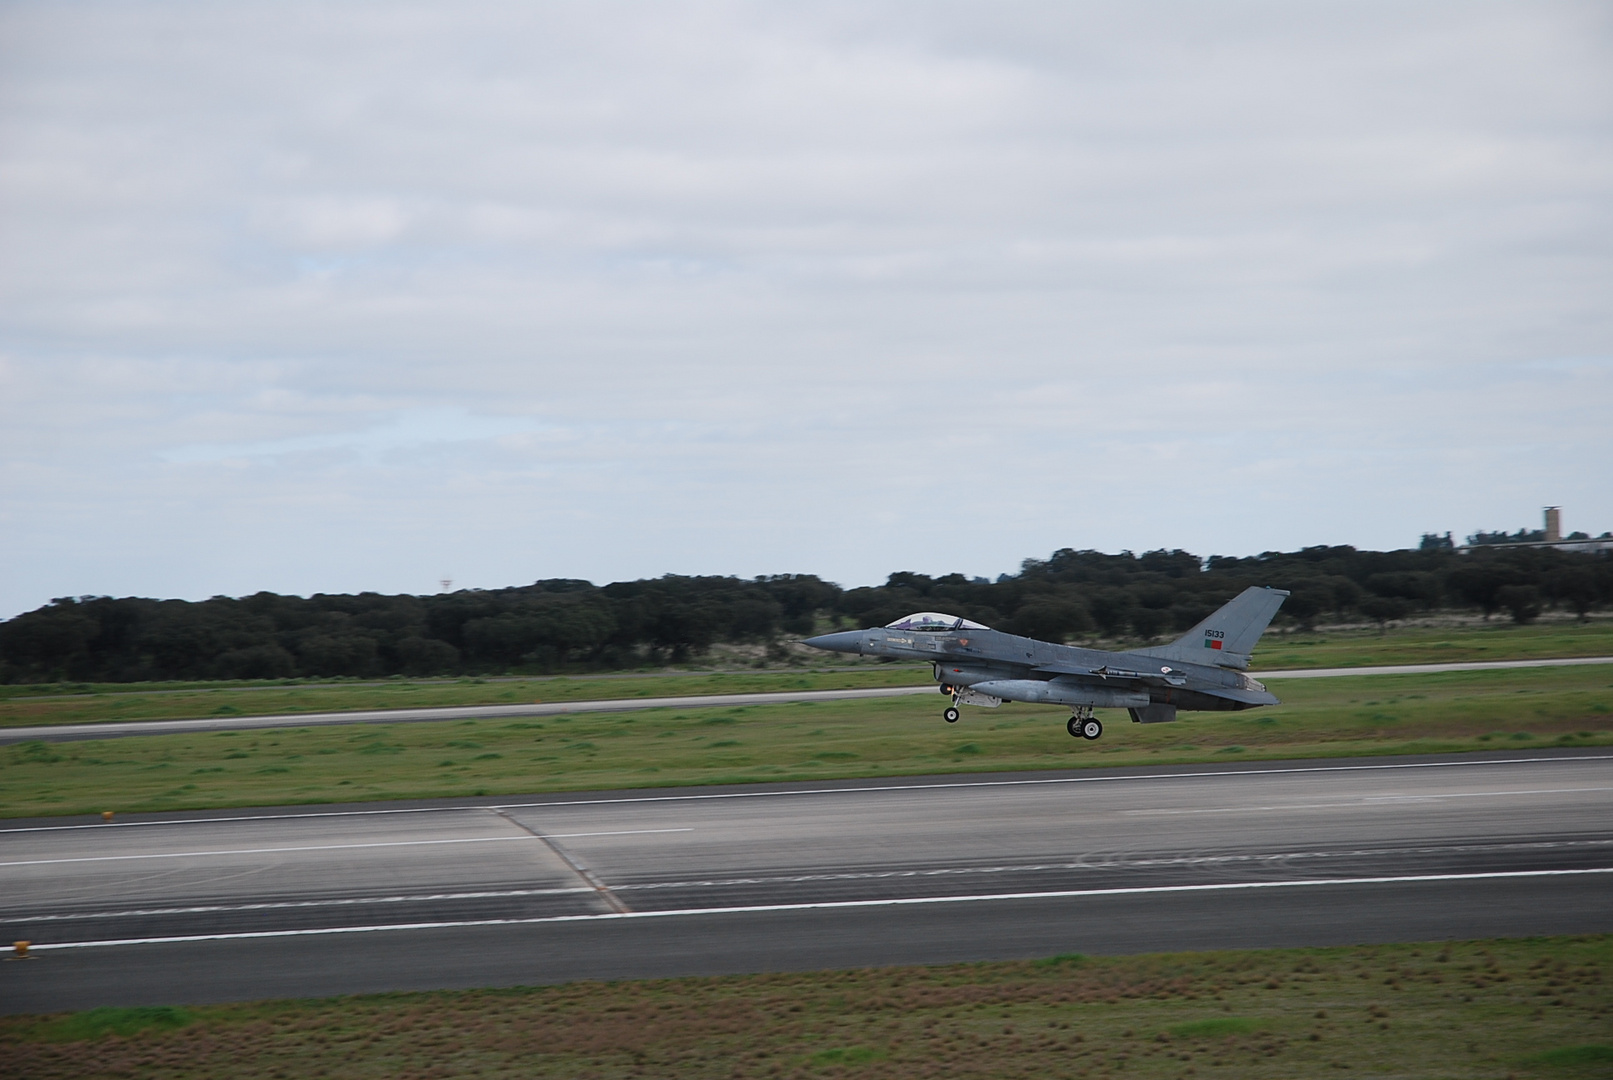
x=1536 y=1008
x=99 y=1023
x=1216 y=1027
x=1593 y=1054
x=1517 y=710
x=1497 y=640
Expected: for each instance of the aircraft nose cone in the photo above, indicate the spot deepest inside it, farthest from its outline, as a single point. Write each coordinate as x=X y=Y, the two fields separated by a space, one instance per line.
x=845 y=641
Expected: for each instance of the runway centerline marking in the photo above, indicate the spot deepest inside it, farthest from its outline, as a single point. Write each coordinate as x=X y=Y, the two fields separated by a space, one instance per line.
x=829 y=905
x=939 y=786
x=328 y=847
x=610 y=832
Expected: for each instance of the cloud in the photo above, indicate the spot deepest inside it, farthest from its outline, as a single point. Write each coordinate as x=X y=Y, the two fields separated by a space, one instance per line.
x=407 y=430
x=310 y=297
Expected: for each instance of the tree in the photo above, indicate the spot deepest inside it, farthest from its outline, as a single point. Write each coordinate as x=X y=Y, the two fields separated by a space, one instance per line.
x=46 y=643
x=1345 y=594
x=256 y=662
x=1384 y=609
x=1110 y=608
x=427 y=656
x=1051 y=619
x=1417 y=586
x=754 y=619
x=1523 y=601
x=1303 y=607
x=801 y=596
x=1148 y=622
x=337 y=654
x=564 y=623
x=1480 y=583
x=1575 y=586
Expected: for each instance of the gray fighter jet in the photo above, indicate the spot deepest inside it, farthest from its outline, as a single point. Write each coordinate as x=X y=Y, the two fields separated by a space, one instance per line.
x=977 y=665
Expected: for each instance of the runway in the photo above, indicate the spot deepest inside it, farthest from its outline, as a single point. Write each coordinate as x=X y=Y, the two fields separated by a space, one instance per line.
x=290 y=902
x=1430 y=669
x=125 y=729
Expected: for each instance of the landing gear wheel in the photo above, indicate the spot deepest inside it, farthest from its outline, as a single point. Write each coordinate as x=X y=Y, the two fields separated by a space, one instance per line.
x=950 y=716
x=1074 y=727
x=1091 y=729
x=946 y=691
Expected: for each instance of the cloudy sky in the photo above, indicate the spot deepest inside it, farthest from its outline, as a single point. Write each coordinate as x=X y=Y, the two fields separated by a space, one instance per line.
x=331 y=297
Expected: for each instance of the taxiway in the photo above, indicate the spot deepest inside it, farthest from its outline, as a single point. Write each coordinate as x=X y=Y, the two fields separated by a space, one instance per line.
x=128 y=728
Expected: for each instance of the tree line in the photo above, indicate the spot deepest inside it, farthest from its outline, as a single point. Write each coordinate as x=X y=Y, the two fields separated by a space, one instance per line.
x=568 y=625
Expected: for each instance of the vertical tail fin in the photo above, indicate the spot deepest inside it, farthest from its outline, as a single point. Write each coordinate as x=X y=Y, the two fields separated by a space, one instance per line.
x=1227 y=637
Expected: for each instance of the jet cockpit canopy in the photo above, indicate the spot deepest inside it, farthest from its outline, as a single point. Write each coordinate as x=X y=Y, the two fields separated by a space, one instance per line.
x=934 y=622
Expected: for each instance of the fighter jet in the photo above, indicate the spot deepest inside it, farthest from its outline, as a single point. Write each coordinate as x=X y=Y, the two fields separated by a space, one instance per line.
x=977 y=665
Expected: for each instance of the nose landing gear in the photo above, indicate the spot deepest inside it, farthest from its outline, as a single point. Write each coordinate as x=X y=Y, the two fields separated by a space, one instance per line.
x=1083 y=725
x=951 y=714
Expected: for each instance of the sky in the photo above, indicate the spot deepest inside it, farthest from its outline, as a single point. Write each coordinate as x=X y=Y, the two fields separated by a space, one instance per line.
x=337 y=297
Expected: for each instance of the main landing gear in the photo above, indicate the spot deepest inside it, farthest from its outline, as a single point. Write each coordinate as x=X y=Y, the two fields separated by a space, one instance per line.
x=1083 y=725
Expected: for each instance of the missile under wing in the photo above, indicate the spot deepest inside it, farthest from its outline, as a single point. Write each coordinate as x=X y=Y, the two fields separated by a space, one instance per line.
x=976 y=665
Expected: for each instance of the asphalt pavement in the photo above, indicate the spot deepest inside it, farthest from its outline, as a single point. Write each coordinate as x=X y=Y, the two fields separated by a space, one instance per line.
x=1430 y=669
x=230 y=905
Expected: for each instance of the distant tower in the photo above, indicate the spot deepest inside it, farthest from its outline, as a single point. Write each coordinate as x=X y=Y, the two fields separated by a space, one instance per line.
x=1554 y=524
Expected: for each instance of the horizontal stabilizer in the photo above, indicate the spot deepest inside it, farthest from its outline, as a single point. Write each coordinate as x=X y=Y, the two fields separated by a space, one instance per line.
x=1248 y=696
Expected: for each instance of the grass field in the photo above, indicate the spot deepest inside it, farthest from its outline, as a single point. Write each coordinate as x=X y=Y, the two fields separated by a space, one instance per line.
x=1496 y=640
x=1350 y=715
x=1539 y=1008
x=83 y=703
x=107 y=703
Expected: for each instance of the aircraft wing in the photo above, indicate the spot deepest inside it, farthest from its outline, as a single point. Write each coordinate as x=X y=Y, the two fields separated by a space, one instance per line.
x=1252 y=695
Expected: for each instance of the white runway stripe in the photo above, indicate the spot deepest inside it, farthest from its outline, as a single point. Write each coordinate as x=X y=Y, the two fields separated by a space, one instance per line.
x=1389 y=802
x=827 y=906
